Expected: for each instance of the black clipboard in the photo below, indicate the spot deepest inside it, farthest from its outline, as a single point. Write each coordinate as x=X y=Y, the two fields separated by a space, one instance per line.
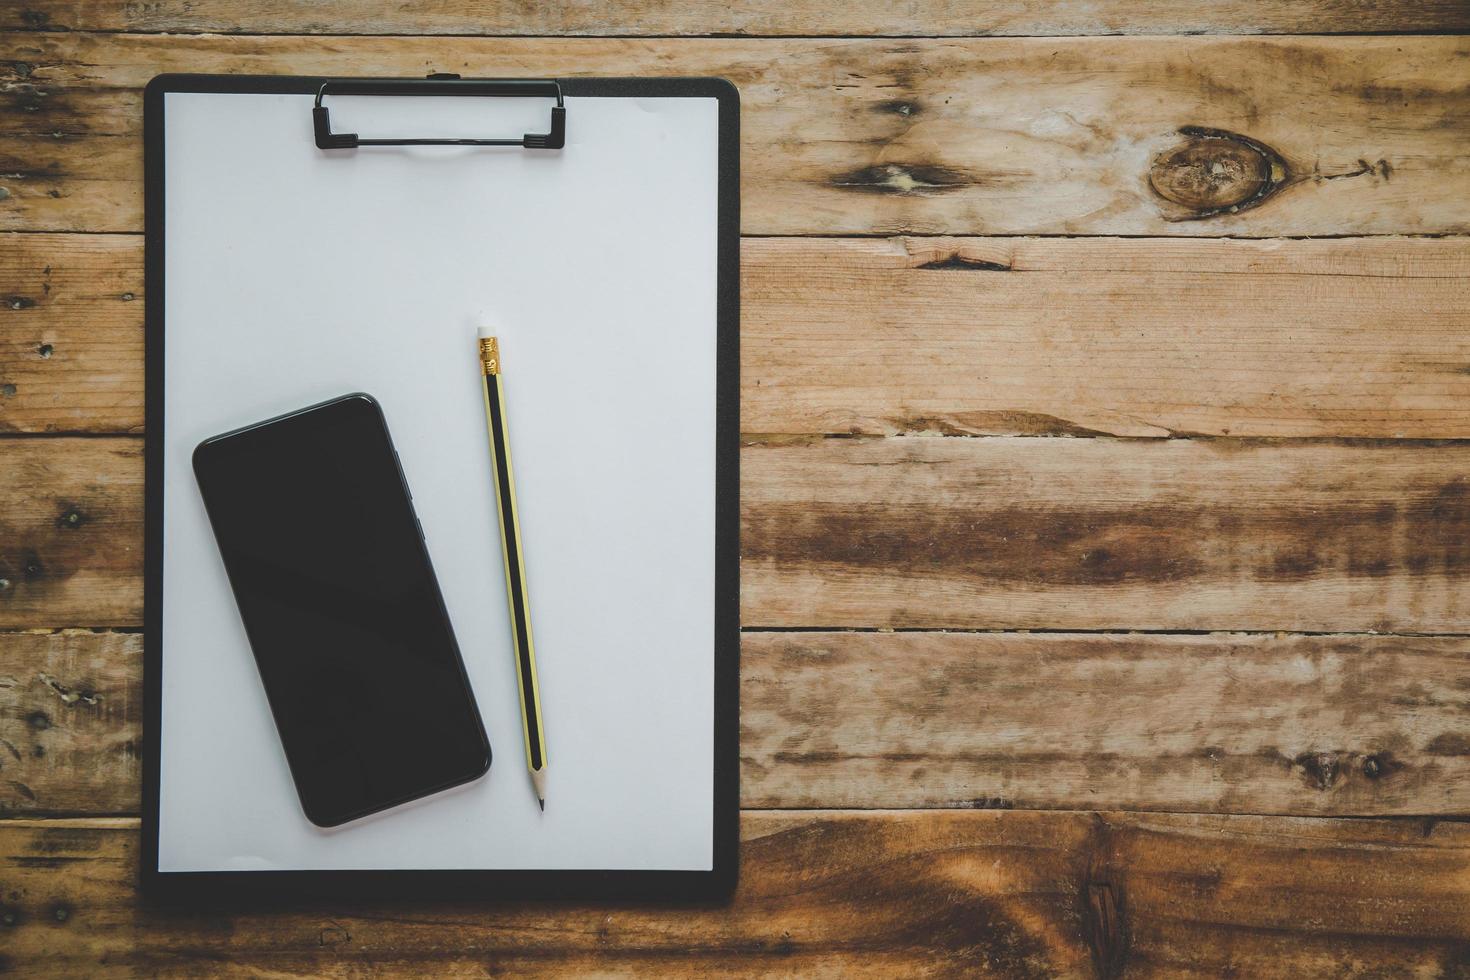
x=233 y=887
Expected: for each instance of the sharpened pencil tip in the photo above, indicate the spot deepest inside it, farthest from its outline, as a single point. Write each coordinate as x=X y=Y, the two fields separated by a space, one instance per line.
x=538 y=785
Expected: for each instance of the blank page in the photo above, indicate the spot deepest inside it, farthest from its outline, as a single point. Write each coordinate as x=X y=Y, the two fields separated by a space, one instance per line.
x=293 y=275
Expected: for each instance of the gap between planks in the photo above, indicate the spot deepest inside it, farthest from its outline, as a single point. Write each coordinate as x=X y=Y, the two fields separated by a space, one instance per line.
x=937 y=630
x=917 y=235
x=760 y=19
x=132 y=820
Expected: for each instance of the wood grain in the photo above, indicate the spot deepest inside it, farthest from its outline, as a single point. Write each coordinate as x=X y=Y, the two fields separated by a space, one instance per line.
x=1151 y=337
x=1359 y=135
x=1141 y=337
x=71 y=333
x=956 y=18
x=71 y=715
x=941 y=533
x=997 y=894
x=1340 y=725
x=1225 y=723
x=1137 y=136
x=1104 y=534
x=71 y=532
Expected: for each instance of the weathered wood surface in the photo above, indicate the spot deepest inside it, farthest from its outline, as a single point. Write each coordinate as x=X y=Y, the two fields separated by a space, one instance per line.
x=1345 y=337
x=1005 y=533
x=71 y=716
x=71 y=532
x=1165 y=136
x=71 y=333
x=1236 y=723
x=1139 y=136
x=940 y=533
x=997 y=894
x=1150 y=337
x=1221 y=723
x=957 y=18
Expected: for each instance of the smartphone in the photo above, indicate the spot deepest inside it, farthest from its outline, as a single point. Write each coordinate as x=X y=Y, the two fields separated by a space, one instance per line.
x=331 y=574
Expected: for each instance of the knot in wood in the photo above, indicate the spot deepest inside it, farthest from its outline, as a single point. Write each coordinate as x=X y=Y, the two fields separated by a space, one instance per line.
x=1214 y=171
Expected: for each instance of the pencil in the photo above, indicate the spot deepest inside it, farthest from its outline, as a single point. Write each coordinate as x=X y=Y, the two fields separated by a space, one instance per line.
x=513 y=557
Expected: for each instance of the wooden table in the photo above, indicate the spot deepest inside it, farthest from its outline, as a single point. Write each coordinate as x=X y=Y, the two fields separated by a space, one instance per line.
x=1105 y=503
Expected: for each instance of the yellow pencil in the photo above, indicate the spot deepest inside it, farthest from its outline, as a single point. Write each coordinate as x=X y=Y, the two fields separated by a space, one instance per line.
x=515 y=566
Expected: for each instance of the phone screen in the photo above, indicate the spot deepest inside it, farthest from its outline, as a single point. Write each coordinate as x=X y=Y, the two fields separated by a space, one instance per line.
x=332 y=577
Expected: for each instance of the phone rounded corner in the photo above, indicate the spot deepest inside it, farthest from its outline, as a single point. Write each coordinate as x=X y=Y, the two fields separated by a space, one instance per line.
x=196 y=458
x=323 y=821
x=364 y=397
x=362 y=404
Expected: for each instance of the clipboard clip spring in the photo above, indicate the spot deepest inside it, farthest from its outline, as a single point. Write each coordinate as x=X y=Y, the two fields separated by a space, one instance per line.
x=441 y=84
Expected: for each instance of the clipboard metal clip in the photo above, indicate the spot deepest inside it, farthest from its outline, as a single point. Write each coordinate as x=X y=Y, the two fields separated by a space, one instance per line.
x=441 y=84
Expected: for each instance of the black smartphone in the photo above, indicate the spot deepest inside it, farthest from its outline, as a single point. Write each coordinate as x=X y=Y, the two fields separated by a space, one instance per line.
x=331 y=574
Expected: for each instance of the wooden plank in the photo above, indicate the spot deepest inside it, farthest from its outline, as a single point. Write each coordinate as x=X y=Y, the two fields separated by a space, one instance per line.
x=940 y=533
x=1102 y=534
x=1231 y=723
x=71 y=333
x=71 y=532
x=990 y=894
x=1224 y=723
x=1163 y=136
x=950 y=18
x=1151 y=337
x=71 y=716
x=1364 y=337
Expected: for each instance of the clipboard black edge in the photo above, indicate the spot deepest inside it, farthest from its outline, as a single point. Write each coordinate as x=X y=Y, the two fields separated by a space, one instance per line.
x=280 y=890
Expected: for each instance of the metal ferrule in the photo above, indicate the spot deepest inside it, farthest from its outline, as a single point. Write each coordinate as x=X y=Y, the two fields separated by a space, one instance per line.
x=489 y=355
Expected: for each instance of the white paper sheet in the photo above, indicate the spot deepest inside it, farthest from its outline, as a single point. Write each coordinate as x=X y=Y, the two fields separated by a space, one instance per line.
x=294 y=275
